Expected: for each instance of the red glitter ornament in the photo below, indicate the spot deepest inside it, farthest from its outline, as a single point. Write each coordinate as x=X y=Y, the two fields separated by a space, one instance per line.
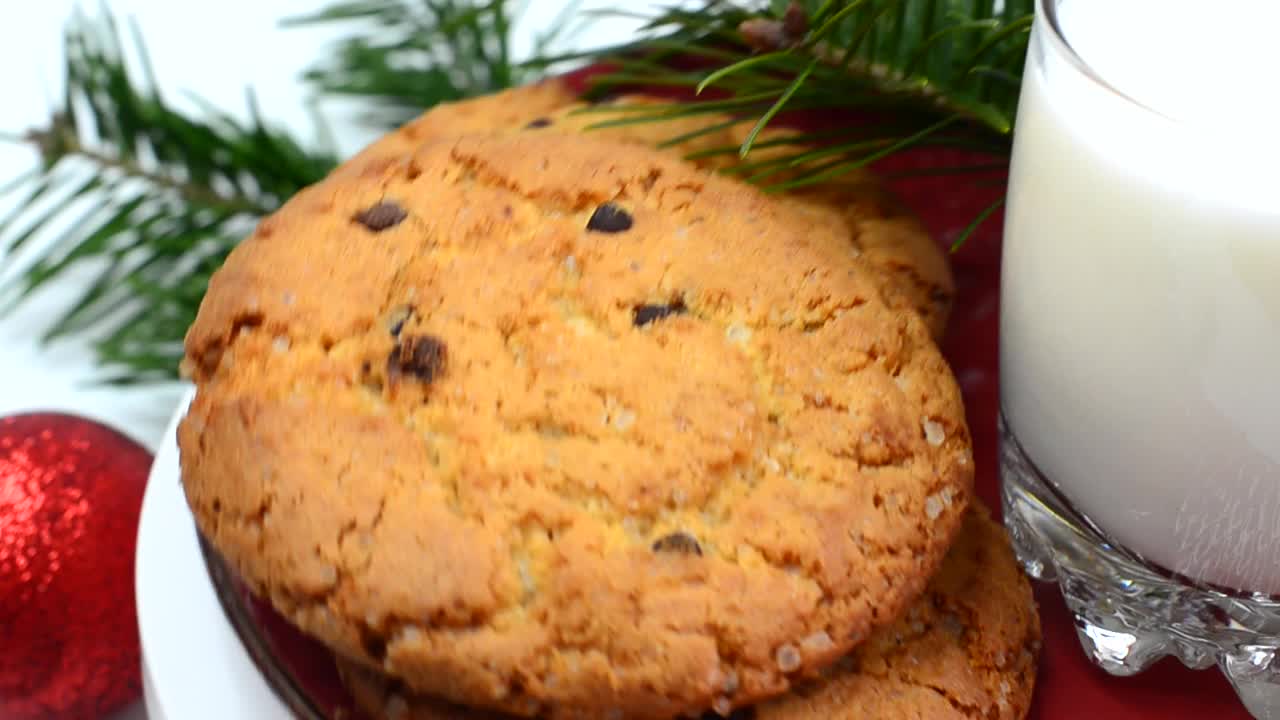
x=70 y=495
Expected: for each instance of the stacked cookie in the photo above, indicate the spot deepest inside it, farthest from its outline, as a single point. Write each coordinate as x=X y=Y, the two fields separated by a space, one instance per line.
x=526 y=421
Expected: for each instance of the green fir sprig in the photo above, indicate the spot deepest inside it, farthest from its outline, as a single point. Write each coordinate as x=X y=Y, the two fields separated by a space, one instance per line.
x=150 y=198
x=404 y=56
x=939 y=73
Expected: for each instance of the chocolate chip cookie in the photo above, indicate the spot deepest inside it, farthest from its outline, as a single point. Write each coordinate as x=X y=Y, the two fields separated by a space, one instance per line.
x=891 y=238
x=568 y=428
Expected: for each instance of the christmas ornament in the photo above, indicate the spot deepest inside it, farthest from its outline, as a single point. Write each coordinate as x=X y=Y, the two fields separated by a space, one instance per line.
x=70 y=495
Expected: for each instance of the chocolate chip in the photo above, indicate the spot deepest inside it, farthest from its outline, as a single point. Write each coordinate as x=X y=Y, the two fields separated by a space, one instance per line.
x=422 y=356
x=538 y=123
x=374 y=645
x=678 y=542
x=609 y=218
x=385 y=214
x=644 y=314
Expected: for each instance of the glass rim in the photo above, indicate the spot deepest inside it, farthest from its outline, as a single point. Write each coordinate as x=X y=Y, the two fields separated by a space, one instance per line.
x=1047 y=12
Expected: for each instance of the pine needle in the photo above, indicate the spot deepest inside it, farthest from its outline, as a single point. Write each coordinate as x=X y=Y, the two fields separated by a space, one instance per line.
x=773 y=111
x=959 y=65
x=972 y=227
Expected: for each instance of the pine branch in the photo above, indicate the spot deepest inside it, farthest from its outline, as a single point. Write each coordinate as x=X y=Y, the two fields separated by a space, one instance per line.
x=146 y=198
x=940 y=73
x=408 y=55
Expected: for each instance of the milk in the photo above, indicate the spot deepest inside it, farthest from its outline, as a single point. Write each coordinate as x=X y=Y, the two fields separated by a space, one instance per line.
x=1140 y=327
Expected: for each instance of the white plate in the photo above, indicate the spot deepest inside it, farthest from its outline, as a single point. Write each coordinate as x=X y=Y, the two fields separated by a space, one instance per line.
x=194 y=665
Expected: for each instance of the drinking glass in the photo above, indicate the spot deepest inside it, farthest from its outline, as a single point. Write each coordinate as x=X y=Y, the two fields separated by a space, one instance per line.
x=1140 y=365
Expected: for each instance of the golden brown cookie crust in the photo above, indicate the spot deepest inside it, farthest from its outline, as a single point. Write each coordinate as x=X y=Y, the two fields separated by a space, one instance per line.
x=429 y=430
x=879 y=226
x=503 y=110
x=381 y=698
x=966 y=650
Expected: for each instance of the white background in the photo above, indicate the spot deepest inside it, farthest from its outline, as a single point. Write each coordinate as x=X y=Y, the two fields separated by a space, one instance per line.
x=212 y=49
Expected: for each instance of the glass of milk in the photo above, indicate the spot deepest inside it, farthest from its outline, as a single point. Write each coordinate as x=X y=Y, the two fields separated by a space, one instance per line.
x=1140 y=331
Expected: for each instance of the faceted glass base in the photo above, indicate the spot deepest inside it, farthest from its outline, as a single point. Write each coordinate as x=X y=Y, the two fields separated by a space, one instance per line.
x=1129 y=613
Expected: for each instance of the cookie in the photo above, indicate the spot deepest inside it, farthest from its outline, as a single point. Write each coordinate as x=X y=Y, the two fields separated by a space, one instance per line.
x=965 y=650
x=880 y=227
x=566 y=427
